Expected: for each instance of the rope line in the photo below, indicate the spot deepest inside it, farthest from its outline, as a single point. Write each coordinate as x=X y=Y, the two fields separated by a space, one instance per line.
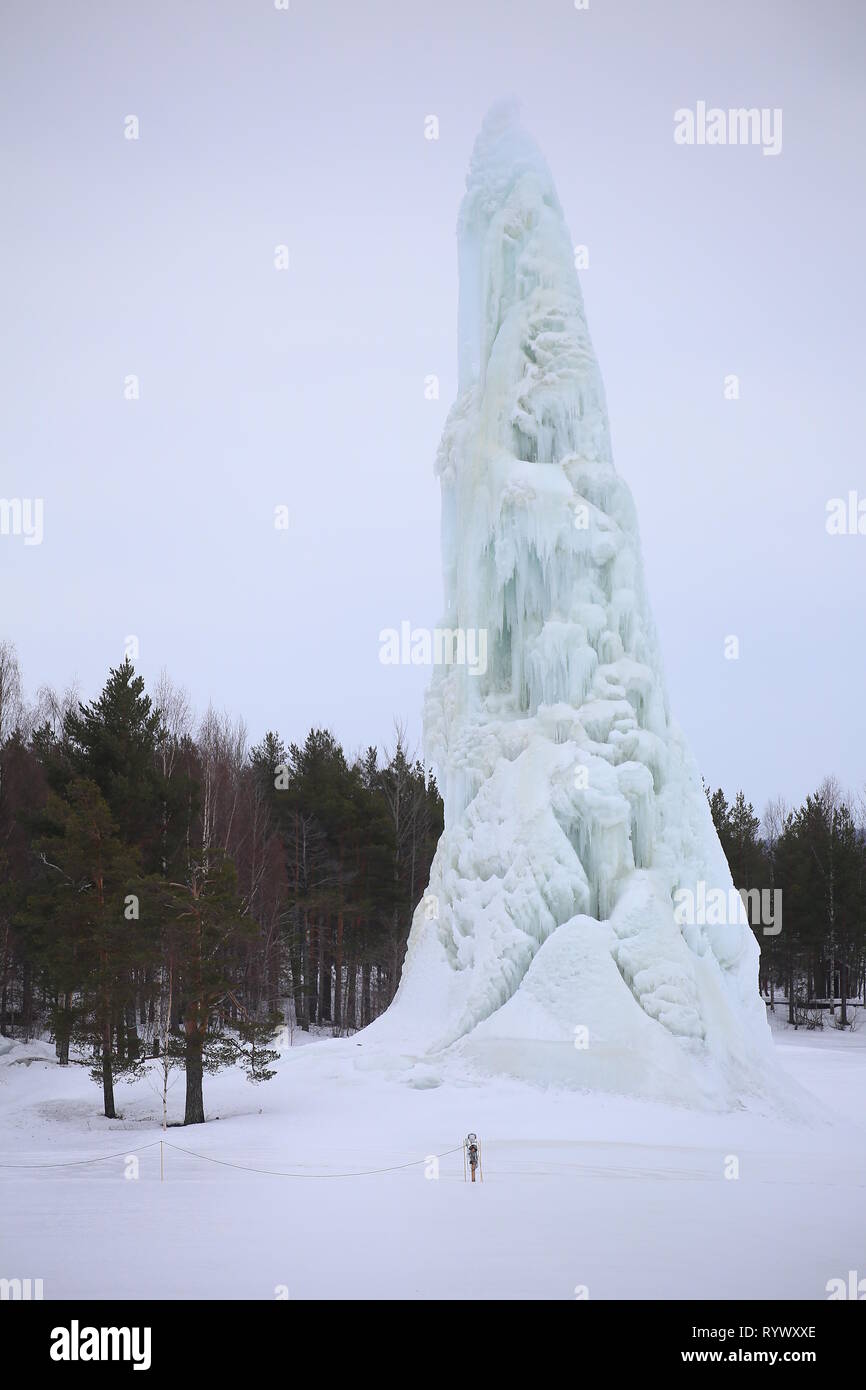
x=223 y=1162
x=275 y=1173
x=77 y=1162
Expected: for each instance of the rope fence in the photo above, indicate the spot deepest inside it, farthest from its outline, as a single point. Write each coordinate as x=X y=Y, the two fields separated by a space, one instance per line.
x=226 y=1163
x=78 y=1162
x=275 y=1173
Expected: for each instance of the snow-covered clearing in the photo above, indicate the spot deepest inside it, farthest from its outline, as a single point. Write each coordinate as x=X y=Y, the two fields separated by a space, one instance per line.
x=625 y=1197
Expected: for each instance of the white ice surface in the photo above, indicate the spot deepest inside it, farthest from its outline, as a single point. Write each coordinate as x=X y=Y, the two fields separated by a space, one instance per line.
x=627 y=1197
x=573 y=810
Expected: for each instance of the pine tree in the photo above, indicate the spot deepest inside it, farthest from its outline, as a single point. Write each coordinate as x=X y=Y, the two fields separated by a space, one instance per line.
x=205 y=934
x=113 y=741
x=85 y=925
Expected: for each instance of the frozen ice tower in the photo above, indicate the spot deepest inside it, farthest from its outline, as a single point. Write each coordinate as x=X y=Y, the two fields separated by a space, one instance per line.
x=555 y=941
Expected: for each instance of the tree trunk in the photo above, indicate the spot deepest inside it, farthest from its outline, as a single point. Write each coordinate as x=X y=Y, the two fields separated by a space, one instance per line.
x=273 y=968
x=194 y=1112
x=306 y=1001
x=350 y=1020
x=133 y=1045
x=338 y=982
x=297 y=985
x=107 y=1077
x=27 y=1002
x=311 y=973
x=64 y=1028
x=325 y=1013
x=5 y=977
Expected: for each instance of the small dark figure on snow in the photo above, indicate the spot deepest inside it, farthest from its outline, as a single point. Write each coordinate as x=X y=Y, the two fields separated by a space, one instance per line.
x=472 y=1153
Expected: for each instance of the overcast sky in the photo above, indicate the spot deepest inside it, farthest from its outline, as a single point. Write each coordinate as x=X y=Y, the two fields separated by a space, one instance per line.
x=259 y=387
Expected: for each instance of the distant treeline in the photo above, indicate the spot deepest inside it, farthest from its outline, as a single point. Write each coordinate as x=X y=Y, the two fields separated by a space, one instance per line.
x=816 y=856
x=165 y=888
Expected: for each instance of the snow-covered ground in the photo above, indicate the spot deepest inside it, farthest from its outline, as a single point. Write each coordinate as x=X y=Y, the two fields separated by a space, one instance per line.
x=626 y=1198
